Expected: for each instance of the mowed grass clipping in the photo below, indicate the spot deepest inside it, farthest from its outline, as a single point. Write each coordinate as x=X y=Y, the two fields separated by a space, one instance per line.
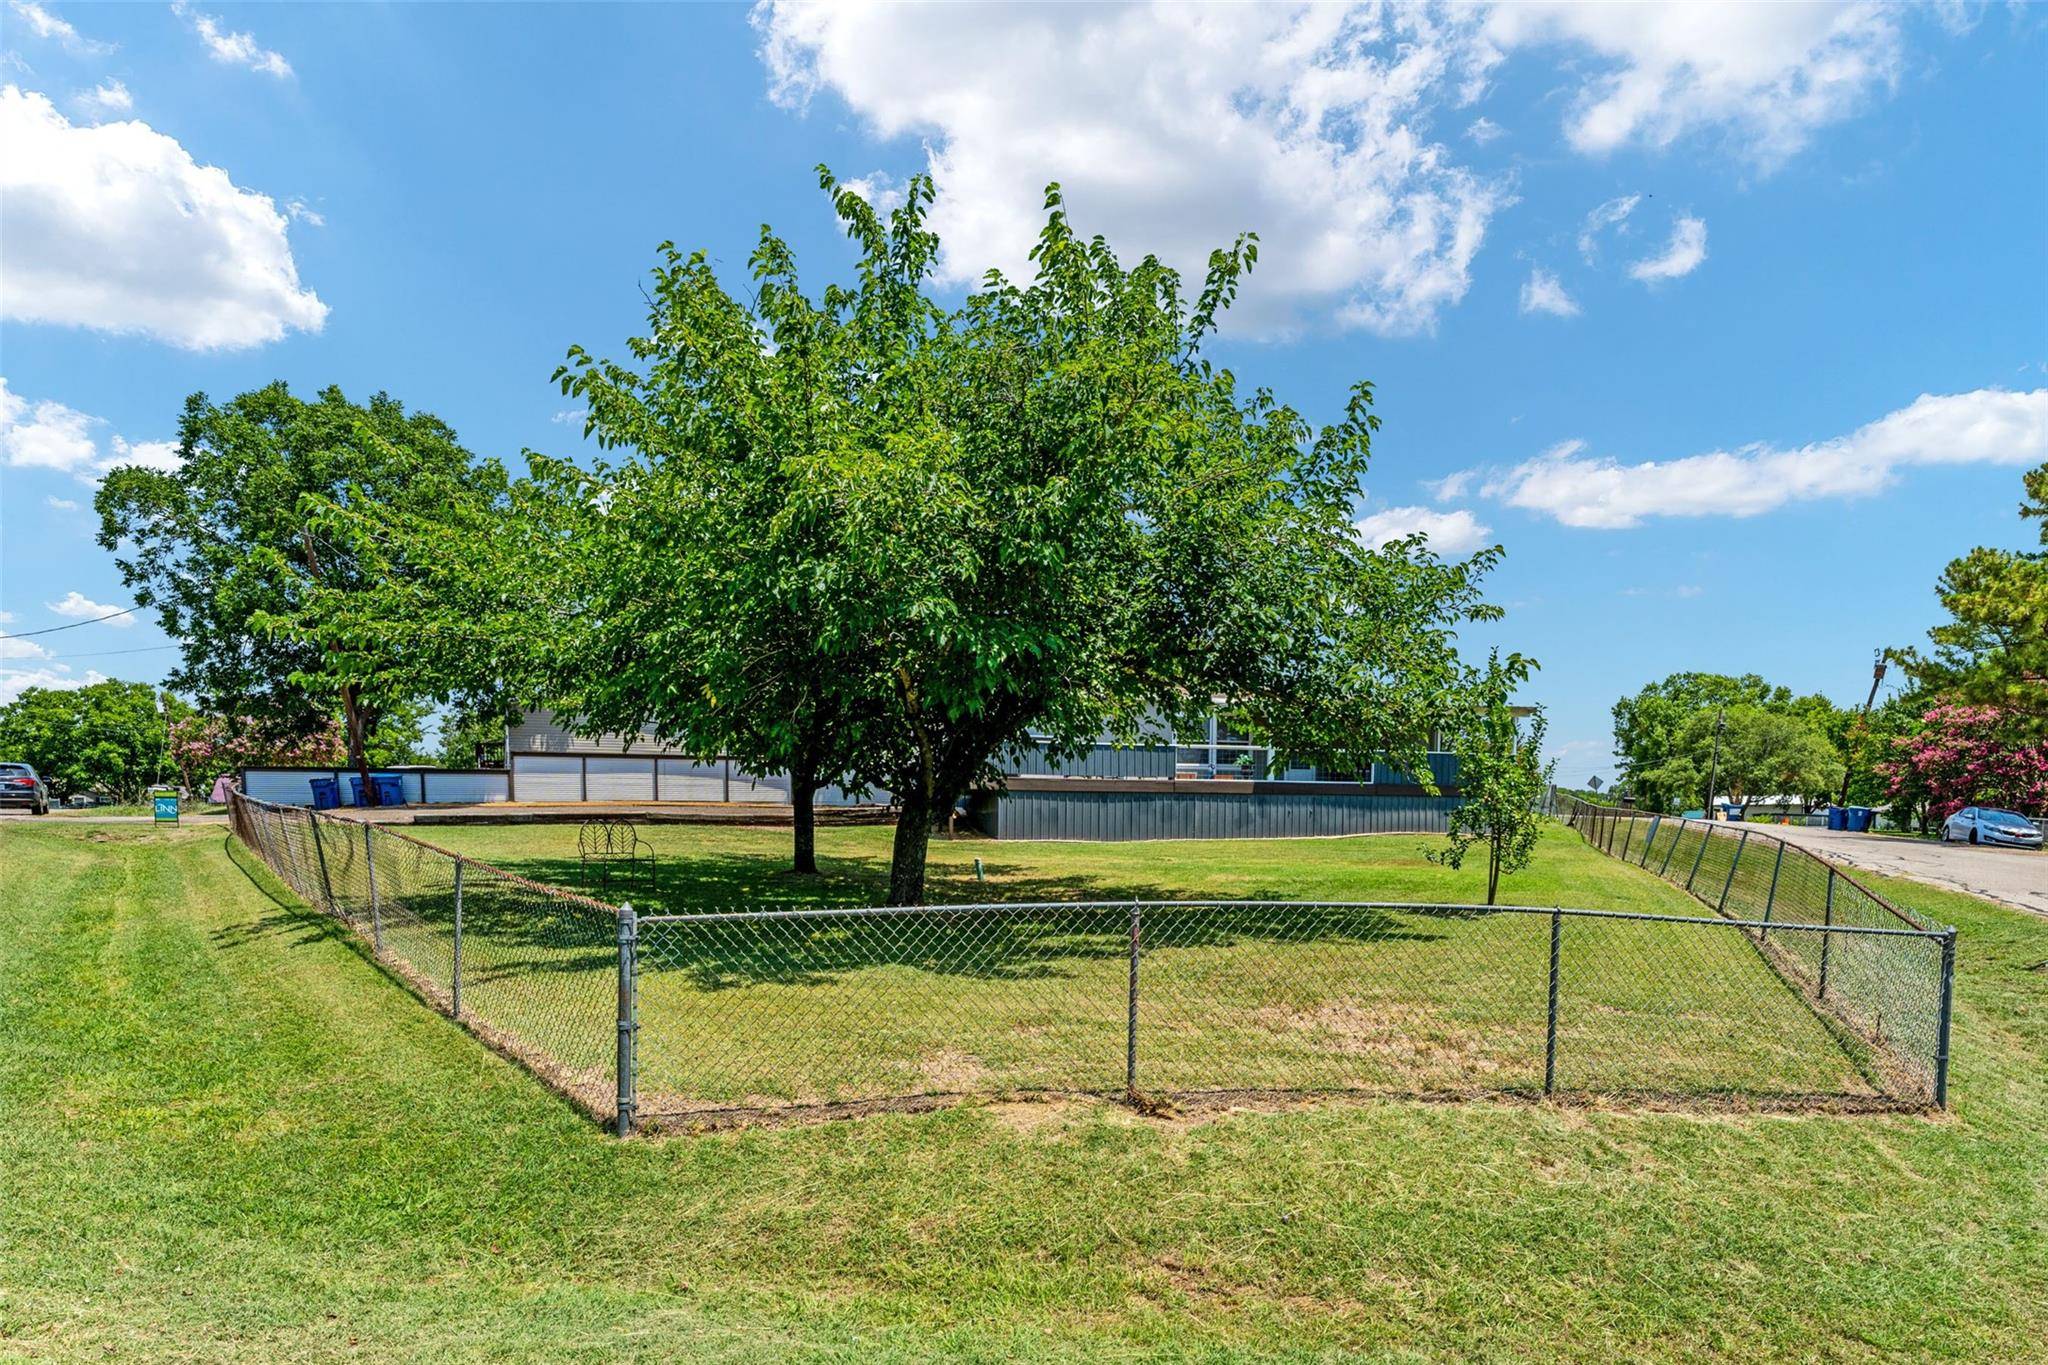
x=228 y=1135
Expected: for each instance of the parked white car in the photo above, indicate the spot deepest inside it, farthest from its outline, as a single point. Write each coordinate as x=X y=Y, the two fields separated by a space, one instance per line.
x=1983 y=825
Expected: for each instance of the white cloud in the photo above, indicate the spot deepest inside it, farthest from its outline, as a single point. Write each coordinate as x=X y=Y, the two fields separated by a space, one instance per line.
x=62 y=504
x=299 y=211
x=1450 y=533
x=881 y=191
x=1171 y=129
x=46 y=434
x=21 y=649
x=1542 y=293
x=1688 y=247
x=1483 y=130
x=161 y=455
x=236 y=49
x=44 y=24
x=1612 y=214
x=1767 y=76
x=49 y=435
x=1451 y=486
x=571 y=416
x=108 y=97
x=115 y=227
x=78 y=606
x=56 y=677
x=1987 y=426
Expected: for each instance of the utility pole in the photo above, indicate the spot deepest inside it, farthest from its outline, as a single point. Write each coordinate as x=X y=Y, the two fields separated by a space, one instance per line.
x=1876 y=679
x=1714 y=768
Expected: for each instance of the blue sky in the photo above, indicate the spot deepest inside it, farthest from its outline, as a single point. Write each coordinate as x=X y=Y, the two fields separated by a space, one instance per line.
x=1731 y=324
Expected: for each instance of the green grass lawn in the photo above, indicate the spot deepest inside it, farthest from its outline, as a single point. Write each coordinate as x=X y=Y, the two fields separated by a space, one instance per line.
x=228 y=1134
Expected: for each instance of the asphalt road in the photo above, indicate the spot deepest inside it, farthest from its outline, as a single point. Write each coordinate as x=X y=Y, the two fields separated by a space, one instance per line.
x=2006 y=875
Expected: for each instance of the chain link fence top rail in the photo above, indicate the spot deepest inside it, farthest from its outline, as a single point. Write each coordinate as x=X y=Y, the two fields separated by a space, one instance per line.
x=1890 y=991
x=686 y=1020
x=531 y=969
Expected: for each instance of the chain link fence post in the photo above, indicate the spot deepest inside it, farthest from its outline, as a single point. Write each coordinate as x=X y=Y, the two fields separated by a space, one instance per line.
x=1827 y=937
x=1697 y=859
x=455 y=976
x=376 y=910
x=628 y=944
x=1676 y=840
x=1550 y=1027
x=1771 y=899
x=320 y=852
x=1629 y=838
x=1131 y=1016
x=1948 y=996
x=1721 y=905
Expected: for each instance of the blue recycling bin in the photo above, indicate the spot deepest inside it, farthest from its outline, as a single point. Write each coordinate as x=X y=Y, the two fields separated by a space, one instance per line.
x=326 y=793
x=1859 y=819
x=1838 y=818
x=390 y=789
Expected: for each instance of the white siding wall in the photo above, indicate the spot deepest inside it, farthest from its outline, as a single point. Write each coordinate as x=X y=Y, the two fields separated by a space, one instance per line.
x=620 y=779
x=546 y=778
x=687 y=779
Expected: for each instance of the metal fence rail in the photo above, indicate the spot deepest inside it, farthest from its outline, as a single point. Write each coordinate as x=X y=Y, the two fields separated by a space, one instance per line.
x=1870 y=986
x=700 y=1019
x=528 y=968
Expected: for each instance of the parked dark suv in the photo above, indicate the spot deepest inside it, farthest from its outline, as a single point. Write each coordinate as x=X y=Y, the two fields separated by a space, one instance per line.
x=19 y=786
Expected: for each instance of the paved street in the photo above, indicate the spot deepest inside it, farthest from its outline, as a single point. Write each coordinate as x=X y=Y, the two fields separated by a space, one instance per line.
x=2001 y=874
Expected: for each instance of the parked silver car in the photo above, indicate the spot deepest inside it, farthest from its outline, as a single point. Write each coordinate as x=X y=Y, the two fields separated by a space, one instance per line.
x=19 y=786
x=1983 y=825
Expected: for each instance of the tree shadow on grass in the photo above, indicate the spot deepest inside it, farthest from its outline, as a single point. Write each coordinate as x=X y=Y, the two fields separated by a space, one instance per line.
x=512 y=930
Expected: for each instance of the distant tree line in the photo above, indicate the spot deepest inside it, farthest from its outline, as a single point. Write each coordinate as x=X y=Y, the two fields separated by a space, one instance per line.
x=1970 y=727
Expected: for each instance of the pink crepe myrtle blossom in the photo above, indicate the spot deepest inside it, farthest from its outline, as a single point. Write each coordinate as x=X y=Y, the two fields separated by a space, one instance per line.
x=1966 y=756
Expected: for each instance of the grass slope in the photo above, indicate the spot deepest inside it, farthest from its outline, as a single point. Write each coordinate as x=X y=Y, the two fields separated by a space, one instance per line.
x=225 y=1134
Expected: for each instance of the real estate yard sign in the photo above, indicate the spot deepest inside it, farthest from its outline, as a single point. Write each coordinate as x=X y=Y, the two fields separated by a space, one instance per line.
x=164 y=806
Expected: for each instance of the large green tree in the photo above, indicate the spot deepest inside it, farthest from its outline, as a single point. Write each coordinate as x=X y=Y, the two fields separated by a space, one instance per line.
x=1648 y=727
x=872 y=538
x=1993 y=649
x=223 y=545
x=106 y=737
x=1748 y=751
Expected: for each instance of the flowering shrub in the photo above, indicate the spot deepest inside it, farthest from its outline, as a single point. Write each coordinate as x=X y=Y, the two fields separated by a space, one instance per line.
x=1968 y=756
x=203 y=747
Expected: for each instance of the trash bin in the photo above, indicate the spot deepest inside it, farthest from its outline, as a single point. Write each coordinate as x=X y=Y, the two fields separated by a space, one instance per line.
x=1838 y=818
x=1859 y=819
x=355 y=791
x=1733 y=814
x=326 y=793
x=390 y=789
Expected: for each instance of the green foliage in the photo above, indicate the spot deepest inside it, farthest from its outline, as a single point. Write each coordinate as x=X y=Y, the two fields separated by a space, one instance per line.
x=106 y=737
x=1760 y=752
x=1993 y=650
x=1501 y=773
x=869 y=538
x=225 y=549
x=1648 y=729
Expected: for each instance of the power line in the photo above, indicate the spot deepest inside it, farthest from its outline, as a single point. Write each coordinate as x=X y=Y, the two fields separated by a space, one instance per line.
x=104 y=653
x=51 y=630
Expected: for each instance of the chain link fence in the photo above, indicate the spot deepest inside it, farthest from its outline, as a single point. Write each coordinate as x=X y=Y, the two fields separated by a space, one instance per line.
x=1889 y=986
x=700 y=1020
x=533 y=970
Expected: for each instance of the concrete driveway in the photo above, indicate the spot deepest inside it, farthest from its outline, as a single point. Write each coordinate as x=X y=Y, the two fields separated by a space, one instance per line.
x=2006 y=875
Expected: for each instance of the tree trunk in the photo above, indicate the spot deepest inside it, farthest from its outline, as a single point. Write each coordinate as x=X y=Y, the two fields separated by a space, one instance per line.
x=906 y=857
x=1492 y=873
x=358 y=742
x=803 y=792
